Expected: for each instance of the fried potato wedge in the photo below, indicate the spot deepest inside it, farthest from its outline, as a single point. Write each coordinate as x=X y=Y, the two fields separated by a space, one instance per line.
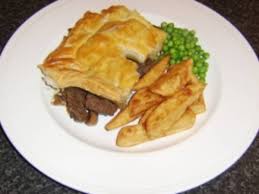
x=136 y=134
x=185 y=122
x=142 y=100
x=131 y=135
x=174 y=79
x=122 y=118
x=199 y=106
x=144 y=117
x=194 y=79
x=170 y=110
x=153 y=74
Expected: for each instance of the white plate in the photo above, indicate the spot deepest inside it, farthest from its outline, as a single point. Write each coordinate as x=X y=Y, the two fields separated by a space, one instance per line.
x=86 y=158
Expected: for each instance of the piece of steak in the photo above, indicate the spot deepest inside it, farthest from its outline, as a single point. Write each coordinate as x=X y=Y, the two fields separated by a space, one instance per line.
x=93 y=118
x=83 y=106
x=100 y=105
x=75 y=103
x=143 y=68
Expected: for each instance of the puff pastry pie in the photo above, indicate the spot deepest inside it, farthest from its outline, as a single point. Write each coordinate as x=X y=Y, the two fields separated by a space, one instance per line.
x=95 y=54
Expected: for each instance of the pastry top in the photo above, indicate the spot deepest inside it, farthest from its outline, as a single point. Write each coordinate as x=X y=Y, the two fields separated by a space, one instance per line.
x=95 y=54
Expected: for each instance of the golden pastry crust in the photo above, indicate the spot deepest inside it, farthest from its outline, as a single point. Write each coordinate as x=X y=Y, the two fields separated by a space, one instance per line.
x=94 y=55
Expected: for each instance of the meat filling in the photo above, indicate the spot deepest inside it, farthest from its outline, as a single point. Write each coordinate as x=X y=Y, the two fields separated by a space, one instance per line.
x=75 y=103
x=100 y=105
x=83 y=106
x=143 y=68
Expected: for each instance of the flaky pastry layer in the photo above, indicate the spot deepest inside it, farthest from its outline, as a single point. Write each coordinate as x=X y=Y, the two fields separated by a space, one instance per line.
x=95 y=54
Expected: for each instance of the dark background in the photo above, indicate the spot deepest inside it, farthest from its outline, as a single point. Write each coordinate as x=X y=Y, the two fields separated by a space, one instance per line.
x=18 y=177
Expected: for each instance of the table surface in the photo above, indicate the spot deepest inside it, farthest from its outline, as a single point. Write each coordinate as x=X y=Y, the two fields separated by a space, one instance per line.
x=18 y=176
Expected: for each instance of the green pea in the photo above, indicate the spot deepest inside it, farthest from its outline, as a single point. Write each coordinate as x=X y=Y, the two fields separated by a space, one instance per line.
x=206 y=55
x=171 y=25
x=203 y=80
x=195 y=70
x=206 y=66
x=163 y=25
x=172 y=51
x=192 y=44
x=198 y=48
x=190 y=53
x=199 y=65
x=185 y=32
x=202 y=74
x=170 y=43
x=165 y=48
x=201 y=52
x=188 y=45
x=169 y=29
x=193 y=32
x=184 y=52
x=181 y=53
x=181 y=47
x=195 y=40
x=176 y=55
x=195 y=58
x=202 y=69
x=169 y=37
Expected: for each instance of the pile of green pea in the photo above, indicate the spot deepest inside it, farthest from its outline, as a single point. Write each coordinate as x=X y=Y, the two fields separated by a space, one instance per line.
x=182 y=44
